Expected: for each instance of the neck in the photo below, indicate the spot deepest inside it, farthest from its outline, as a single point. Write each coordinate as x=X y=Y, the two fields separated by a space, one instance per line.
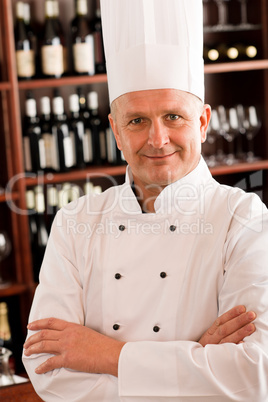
x=146 y=196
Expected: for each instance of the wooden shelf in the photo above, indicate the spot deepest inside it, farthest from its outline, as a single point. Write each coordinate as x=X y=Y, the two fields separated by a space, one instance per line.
x=76 y=175
x=60 y=82
x=12 y=290
x=239 y=168
x=102 y=78
x=232 y=28
x=7 y=197
x=236 y=66
x=102 y=171
x=5 y=86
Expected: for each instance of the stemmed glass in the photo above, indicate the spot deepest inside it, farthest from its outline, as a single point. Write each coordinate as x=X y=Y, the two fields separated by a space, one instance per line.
x=230 y=130
x=5 y=248
x=244 y=13
x=222 y=13
x=252 y=125
x=206 y=12
x=213 y=136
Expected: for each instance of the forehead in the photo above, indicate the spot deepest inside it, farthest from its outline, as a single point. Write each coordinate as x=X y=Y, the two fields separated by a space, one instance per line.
x=154 y=101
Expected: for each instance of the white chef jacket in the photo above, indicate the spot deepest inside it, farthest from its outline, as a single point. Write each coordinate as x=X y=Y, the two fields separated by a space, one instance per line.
x=158 y=281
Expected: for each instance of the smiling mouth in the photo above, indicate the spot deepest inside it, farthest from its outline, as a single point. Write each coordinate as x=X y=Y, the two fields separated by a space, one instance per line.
x=160 y=157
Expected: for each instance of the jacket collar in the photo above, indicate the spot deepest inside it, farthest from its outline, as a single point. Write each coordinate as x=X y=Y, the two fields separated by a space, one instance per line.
x=185 y=189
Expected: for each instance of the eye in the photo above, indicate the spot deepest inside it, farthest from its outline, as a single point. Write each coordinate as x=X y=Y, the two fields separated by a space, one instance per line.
x=136 y=121
x=173 y=117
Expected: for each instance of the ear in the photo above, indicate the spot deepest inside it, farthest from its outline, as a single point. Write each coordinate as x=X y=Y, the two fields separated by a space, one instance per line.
x=115 y=131
x=204 y=122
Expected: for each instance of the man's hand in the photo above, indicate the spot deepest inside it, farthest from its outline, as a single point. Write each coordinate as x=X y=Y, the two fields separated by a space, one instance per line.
x=232 y=327
x=73 y=346
x=83 y=349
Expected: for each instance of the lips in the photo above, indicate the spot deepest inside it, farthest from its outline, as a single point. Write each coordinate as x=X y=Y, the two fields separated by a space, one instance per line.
x=160 y=156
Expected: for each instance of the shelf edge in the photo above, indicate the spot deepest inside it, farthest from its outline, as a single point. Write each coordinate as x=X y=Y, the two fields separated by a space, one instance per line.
x=236 y=66
x=59 y=82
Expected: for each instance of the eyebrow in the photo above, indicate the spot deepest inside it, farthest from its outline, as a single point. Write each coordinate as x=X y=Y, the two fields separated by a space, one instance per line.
x=139 y=113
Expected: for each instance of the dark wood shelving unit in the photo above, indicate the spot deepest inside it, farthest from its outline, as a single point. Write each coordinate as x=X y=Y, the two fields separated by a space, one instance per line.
x=60 y=82
x=23 y=285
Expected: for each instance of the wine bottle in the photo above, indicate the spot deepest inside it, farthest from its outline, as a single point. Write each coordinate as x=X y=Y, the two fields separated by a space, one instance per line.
x=74 y=193
x=60 y=33
x=33 y=143
x=30 y=204
x=95 y=127
x=100 y=65
x=64 y=158
x=88 y=188
x=46 y=131
x=52 y=206
x=243 y=51
x=113 y=153
x=42 y=233
x=52 y=46
x=77 y=132
x=5 y=331
x=83 y=110
x=82 y=41
x=64 y=195
x=24 y=45
x=211 y=54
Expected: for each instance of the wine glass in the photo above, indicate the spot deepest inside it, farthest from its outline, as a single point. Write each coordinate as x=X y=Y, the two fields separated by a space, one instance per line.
x=222 y=13
x=230 y=130
x=213 y=136
x=5 y=248
x=244 y=13
x=253 y=125
x=206 y=12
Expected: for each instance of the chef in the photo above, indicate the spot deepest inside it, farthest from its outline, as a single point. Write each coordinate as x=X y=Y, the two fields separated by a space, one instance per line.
x=148 y=291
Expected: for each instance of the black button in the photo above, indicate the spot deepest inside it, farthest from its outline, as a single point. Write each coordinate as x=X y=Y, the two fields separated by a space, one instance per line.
x=117 y=276
x=122 y=228
x=156 y=328
x=163 y=275
x=172 y=228
x=116 y=327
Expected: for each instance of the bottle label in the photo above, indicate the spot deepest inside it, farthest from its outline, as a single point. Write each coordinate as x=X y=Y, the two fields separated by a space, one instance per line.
x=87 y=146
x=84 y=57
x=99 y=54
x=52 y=60
x=73 y=147
x=25 y=63
x=111 y=146
x=55 y=164
x=48 y=142
x=27 y=154
x=103 y=152
x=42 y=153
x=68 y=152
x=81 y=7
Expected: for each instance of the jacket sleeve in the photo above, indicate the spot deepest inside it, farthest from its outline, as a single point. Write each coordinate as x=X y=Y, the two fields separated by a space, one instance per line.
x=59 y=294
x=187 y=372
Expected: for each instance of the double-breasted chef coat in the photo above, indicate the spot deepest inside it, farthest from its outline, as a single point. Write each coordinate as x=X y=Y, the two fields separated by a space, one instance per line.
x=158 y=281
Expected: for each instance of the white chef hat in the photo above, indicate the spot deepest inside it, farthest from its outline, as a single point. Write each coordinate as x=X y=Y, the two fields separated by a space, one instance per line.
x=153 y=44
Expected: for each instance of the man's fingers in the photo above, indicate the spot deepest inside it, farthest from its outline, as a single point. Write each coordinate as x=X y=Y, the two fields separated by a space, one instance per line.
x=226 y=317
x=230 y=327
x=240 y=334
x=48 y=323
x=50 y=364
x=45 y=346
x=41 y=335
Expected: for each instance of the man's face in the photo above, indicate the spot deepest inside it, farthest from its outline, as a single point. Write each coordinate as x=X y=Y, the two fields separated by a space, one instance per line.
x=160 y=133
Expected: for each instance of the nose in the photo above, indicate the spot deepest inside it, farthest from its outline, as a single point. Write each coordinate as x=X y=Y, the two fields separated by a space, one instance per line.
x=158 y=135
